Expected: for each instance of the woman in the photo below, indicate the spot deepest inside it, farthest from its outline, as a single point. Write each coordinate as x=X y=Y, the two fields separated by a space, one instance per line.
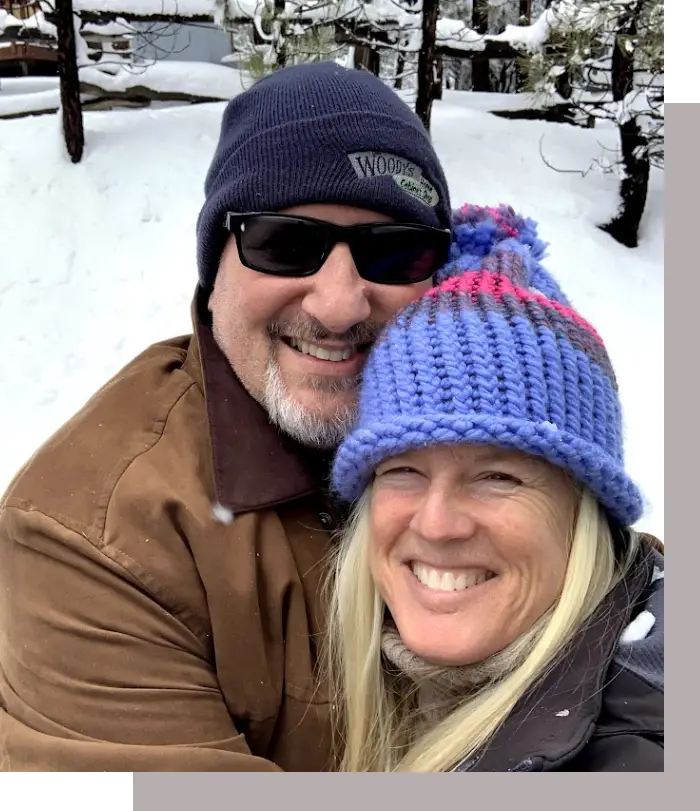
x=491 y=609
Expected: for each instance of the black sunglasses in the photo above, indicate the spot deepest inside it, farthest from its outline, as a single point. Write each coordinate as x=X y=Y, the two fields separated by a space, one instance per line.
x=384 y=253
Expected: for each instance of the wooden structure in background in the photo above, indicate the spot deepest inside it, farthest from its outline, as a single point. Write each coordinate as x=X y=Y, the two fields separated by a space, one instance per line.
x=31 y=49
x=25 y=50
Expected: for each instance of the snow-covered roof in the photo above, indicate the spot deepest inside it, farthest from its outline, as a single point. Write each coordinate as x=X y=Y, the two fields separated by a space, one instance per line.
x=379 y=11
x=180 y=8
x=116 y=28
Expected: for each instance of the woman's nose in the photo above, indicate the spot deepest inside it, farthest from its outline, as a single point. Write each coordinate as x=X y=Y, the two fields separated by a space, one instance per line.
x=439 y=518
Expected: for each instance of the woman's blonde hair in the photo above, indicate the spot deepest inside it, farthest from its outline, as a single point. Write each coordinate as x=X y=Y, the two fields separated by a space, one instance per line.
x=374 y=718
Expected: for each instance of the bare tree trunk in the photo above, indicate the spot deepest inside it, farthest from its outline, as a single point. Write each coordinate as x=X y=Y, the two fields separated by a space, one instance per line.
x=427 y=61
x=481 y=78
x=525 y=18
x=69 y=82
x=633 y=144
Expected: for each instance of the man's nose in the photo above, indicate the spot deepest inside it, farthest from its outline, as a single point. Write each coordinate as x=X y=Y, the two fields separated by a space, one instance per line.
x=338 y=297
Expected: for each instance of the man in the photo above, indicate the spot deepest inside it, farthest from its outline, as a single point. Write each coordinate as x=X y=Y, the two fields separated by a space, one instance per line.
x=160 y=556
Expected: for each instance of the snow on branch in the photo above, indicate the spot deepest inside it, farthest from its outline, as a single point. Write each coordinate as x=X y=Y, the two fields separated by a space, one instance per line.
x=116 y=28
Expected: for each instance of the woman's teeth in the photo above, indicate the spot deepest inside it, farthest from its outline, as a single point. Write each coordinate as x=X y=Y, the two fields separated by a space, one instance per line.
x=319 y=352
x=450 y=581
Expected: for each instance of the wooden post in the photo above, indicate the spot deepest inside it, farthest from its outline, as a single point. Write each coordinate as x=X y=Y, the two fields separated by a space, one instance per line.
x=69 y=82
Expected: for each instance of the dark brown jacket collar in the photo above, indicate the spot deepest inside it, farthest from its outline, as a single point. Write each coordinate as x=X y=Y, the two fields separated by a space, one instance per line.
x=255 y=466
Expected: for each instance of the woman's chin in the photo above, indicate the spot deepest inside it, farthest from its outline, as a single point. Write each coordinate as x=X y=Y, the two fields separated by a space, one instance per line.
x=445 y=658
x=441 y=645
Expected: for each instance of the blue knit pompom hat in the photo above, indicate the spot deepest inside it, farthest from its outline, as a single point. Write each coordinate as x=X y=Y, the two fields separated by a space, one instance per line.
x=495 y=355
x=319 y=133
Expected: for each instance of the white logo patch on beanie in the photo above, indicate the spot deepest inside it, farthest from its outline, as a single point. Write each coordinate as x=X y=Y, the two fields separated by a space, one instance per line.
x=404 y=173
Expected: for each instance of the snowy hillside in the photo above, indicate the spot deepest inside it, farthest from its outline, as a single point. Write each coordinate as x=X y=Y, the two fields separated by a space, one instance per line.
x=98 y=260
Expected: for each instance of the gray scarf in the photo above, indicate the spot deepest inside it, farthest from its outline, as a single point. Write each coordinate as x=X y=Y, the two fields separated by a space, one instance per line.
x=440 y=687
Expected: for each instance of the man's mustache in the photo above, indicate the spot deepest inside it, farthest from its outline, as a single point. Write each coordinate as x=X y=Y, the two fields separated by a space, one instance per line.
x=304 y=328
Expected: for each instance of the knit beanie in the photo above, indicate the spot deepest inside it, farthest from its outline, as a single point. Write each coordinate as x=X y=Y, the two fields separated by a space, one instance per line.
x=319 y=133
x=495 y=355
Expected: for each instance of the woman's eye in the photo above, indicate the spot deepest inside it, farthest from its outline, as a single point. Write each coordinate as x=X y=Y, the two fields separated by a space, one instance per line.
x=507 y=478
x=397 y=470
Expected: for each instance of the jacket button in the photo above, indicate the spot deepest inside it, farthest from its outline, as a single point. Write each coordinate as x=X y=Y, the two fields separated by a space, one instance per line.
x=325 y=520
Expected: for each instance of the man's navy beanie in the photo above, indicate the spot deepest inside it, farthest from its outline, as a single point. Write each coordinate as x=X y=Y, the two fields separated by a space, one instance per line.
x=319 y=133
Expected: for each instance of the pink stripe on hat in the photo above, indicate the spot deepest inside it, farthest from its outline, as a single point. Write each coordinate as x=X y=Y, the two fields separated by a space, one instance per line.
x=497 y=285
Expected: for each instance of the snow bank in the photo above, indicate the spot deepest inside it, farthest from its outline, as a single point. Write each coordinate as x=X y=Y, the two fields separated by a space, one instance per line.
x=36 y=102
x=196 y=78
x=25 y=95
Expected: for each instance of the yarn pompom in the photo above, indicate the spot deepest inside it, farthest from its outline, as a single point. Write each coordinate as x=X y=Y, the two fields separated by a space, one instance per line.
x=483 y=231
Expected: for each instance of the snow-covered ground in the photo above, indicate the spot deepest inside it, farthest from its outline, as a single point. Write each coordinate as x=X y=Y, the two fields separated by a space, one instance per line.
x=98 y=260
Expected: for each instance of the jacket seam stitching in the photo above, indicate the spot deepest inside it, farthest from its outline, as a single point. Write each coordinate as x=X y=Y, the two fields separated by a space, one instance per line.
x=155 y=588
x=69 y=524
x=94 y=534
x=638 y=733
x=288 y=692
x=158 y=429
x=105 y=552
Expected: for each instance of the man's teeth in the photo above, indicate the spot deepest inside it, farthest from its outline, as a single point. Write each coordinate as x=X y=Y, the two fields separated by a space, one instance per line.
x=319 y=352
x=449 y=581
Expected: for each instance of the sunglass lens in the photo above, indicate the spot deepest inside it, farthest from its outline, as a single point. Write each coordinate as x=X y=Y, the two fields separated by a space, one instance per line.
x=282 y=245
x=400 y=256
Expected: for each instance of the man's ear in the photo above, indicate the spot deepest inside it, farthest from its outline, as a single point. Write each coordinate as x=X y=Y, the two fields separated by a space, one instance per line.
x=212 y=289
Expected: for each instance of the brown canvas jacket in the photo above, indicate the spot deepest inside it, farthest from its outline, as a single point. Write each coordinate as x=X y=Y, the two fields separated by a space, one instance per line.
x=138 y=632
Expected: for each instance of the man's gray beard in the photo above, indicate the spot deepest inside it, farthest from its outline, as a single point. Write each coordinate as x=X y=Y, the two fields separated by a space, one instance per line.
x=298 y=422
